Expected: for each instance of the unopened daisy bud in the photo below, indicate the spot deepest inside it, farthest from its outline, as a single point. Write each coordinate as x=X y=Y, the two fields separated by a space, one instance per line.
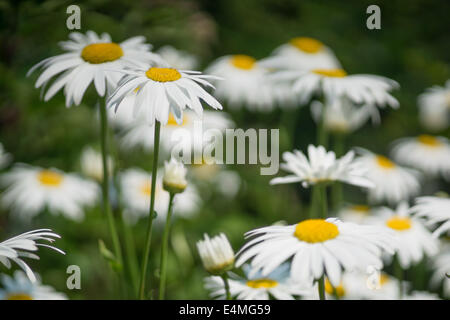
x=216 y=254
x=92 y=165
x=174 y=180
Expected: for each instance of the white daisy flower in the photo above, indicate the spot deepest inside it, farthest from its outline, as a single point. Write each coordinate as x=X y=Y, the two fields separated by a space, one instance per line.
x=421 y=295
x=393 y=183
x=317 y=247
x=174 y=179
x=356 y=213
x=342 y=116
x=436 y=210
x=434 y=107
x=91 y=58
x=185 y=135
x=92 y=164
x=216 y=253
x=19 y=287
x=277 y=285
x=335 y=83
x=245 y=83
x=427 y=153
x=30 y=190
x=23 y=246
x=178 y=59
x=5 y=158
x=413 y=240
x=156 y=92
x=136 y=188
x=302 y=53
x=440 y=277
x=322 y=166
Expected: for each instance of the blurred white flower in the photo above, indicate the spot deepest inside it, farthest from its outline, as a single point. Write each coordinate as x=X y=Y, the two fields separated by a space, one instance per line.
x=216 y=253
x=5 y=157
x=322 y=166
x=427 y=153
x=156 y=92
x=136 y=189
x=317 y=247
x=277 y=285
x=441 y=265
x=174 y=178
x=30 y=190
x=436 y=210
x=393 y=183
x=245 y=83
x=342 y=116
x=421 y=295
x=23 y=246
x=19 y=287
x=355 y=213
x=91 y=58
x=178 y=59
x=92 y=164
x=302 y=53
x=335 y=83
x=413 y=240
x=434 y=107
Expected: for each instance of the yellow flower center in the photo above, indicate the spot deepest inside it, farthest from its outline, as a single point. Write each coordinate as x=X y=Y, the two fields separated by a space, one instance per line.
x=146 y=189
x=18 y=296
x=101 y=52
x=399 y=223
x=242 y=61
x=428 y=140
x=50 y=178
x=308 y=45
x=333 y=73
x=172 y=122
x=262 y=283
x=384 y=162
x=316 y=230
x=163 y=74
x=384 y=279
x=339 y=290
x=362 y=209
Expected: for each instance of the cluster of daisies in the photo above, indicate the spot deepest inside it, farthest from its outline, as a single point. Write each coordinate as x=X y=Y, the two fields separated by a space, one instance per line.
x=153 y=101
x=339 y=250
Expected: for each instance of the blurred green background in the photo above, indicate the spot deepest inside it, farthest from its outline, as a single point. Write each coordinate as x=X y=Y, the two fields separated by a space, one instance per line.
x=412 y=47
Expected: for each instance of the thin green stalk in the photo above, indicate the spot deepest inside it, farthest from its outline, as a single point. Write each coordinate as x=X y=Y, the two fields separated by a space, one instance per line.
x=105 y=183
x=314 y=212
x=400 y=274
x=165 y=249
x=321 y=287
x=323 y=201
x=151 y=212
x=132 y=262
x=322 y=133
x=227 y=285
x=336 y=188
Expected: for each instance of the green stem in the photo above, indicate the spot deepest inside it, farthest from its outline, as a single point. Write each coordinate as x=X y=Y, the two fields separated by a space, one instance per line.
x=227 y=285
x=322 y=133
x=323 y=201
x=151 y=212
x=131 y=256
x=399 y=273
x=165 y=249
x=314 y=212
x=321 y=287
x=105 y=183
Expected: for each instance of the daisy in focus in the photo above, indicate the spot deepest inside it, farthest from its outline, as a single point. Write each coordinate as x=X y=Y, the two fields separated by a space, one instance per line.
x=356 y=213
x=427 y=153
x=19 y=287
x=317 y=248
x=393 y=183
x=336 y=83
x=277 y=285
x=185 y=135
x=434 y=107
x=91 y=58
x=92 y=165
x=413 y=240
x=5 y=158
x=436 y=210
x=244 y=84
x=322 y=166
x=136 y=189
x=30 y=190
x=178 y=59
x=302 y=53
x=23 y=246
x=216 y=254
x=156 y=92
